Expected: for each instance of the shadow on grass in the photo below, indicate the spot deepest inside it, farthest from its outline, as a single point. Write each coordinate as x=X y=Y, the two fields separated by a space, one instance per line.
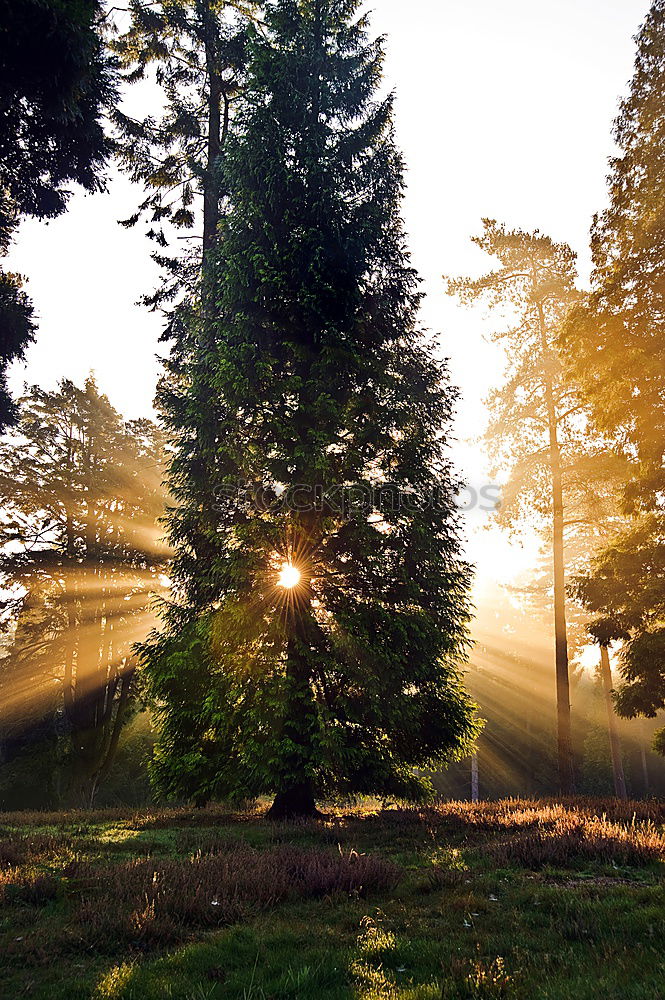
x=466 y=923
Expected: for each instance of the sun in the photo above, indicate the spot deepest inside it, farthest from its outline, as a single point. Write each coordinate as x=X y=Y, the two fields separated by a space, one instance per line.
x=289 y=576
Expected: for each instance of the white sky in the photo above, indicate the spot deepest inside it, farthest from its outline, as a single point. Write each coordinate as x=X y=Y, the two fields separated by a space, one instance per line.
x=504 y=109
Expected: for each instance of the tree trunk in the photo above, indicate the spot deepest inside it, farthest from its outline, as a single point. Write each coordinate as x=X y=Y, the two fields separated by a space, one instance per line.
x=207 y=19
x=615 y=739
x=205 y=396
x=295 y=801
x=211 y=191
x=295 y=794
x=565 y=750
x=643 y=755
x=475 y=797
x=126 y=679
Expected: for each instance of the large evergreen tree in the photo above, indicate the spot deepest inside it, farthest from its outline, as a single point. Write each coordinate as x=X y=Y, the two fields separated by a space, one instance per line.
x=321 y=601
x=614 y=343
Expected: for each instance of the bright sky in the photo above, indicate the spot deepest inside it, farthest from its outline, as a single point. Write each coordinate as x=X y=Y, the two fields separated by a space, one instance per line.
x=504 y=110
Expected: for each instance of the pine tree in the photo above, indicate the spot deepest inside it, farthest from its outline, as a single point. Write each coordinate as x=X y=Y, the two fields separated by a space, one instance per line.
x=81 y=561
x=560 y=476
x=194 y=50
x=56 y=82
x=321 y=602
x=614 y=343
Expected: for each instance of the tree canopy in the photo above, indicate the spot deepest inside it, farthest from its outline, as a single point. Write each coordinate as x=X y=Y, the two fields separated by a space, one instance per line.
x=81 y=562
x=56 y=82
x=614 y=343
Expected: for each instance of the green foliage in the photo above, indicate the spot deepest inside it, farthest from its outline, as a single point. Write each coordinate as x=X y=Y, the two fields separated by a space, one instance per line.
x=194 y=50
x=625 y=593
x=538 y=410
x=307 y=376
x=56 y=82
x=659 y=742
x=81 y=561
x=17 y=330
x=615 y=348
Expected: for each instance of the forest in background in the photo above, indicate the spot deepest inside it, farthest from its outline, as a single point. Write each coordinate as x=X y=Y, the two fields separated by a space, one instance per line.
x=576 y=427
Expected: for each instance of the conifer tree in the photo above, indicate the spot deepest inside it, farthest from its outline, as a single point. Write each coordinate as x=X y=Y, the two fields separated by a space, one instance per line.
x=81 y=561
x=194 y=50
x=614 y=344
x=560 y=476
x=321 y=602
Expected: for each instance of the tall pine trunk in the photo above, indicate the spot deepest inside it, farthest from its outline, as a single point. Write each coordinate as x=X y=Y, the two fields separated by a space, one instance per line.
x=295 y=797
x=644 y=742
x=564 y=740
x=615 y=739
x=205 y=433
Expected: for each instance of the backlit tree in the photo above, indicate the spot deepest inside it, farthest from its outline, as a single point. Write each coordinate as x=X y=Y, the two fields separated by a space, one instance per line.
x=560 y=477
x=56 y=83
x=614 y=345
x=81 y=562
x=319 y=625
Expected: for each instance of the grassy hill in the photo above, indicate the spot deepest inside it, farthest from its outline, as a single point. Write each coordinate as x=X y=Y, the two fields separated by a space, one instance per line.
x=517 y=899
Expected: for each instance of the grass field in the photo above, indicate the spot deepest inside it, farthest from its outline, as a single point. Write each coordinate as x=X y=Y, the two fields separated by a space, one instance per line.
x=527 y=900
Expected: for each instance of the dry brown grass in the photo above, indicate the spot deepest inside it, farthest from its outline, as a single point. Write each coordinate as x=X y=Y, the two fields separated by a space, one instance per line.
x=156 y=817
x=31 y=888
x=524 y=813
x=482 y=815
x=153 y=903
x=572 y=838
x=21 y=848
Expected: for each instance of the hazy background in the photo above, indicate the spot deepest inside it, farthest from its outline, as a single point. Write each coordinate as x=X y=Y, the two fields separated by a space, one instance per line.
x=504 y=109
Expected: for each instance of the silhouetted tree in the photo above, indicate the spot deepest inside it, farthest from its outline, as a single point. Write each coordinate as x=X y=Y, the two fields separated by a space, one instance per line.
x=81 y=560
x=195 y=51
x=17 y=331
x=615 y=740
x=56 y=82
x=560 y=477
x=324 y=390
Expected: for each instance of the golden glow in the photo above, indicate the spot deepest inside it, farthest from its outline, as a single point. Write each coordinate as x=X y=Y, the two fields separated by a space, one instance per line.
x=289 y=576
x=87 y=624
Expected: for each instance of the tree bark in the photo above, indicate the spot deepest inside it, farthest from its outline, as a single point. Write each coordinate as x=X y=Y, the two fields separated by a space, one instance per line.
x=643 y=756
x=295 y=796
x=615 y=739
x=474 y=778
x=211 y=192
x=565 y=750
x=126 y=679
